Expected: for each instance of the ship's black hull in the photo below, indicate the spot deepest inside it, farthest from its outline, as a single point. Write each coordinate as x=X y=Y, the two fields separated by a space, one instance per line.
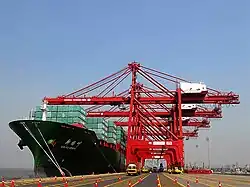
x=77 y=150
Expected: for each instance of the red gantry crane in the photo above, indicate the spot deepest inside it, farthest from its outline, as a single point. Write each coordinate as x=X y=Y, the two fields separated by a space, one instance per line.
x=156 y=116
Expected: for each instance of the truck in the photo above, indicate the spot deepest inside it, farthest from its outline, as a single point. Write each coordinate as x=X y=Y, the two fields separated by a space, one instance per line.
x=134 y=169
x=175 y=170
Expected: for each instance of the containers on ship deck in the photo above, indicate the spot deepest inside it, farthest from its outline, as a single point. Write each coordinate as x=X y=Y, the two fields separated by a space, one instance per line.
x=63 y=114
x=99 y=126
x=121 y=137
x=111 y=132
x=104 y=130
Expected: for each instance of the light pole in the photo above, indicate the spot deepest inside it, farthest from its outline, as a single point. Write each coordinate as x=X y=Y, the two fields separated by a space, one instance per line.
x=208 y=151
x=197 y=153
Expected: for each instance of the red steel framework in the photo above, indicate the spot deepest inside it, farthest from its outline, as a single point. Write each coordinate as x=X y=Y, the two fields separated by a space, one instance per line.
x=155 y=116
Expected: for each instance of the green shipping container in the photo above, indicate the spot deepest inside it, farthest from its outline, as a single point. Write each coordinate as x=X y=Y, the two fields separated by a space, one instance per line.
x=66 y=120
x=120 y=136
x=38 y=114
x=50 y=108
x=38 y=118
x=97 y=126
x=112 y=129
x=38 y=108
x=64 y=108
x=111 y=135
x=111 y=124
x=120 y=130
x=53 y=114
x=111 y=140
x=96 y=121
x=100 y=131
x=77 y=120
x=101 y=136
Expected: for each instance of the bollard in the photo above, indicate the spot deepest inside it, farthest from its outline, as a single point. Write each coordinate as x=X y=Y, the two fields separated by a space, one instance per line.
x=140 y=180
x=81 y=178
x=158 y=179
x=220 y=185
x=3 y=183
x=175 y=180
x=96 y=184
x=39 y=184
x=196 y=180
x=129 y=184
x=188 y=185
x=12 y=184
x=157 y=183
x=66 y=184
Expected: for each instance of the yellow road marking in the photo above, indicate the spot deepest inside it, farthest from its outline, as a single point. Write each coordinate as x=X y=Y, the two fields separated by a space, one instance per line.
x=158 y=178
x=70 y=184
x=58 y=179
x=229 y=180
x=190 y=179
x=233 y=179
x=207 y=181
x=120 y=181
x=211 y=180
x=130 y=178
x=81 y=183
x=173 y=180
x=138 y=181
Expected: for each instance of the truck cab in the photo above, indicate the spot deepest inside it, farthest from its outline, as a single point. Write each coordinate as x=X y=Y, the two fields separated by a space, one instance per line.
x=175 y=170
x=133 y=169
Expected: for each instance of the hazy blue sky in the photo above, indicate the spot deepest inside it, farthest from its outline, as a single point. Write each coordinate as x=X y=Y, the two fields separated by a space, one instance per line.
x=49 y=48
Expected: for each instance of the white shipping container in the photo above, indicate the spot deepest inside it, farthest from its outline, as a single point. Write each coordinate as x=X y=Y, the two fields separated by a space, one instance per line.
x=188 y=106
x=193 y=87
x=185 y=118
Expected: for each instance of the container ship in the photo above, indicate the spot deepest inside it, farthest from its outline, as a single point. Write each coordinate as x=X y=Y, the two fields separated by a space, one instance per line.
x=68 y=143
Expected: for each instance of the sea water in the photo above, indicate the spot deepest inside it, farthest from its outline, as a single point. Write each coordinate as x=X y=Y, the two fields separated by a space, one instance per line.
x=13 y=173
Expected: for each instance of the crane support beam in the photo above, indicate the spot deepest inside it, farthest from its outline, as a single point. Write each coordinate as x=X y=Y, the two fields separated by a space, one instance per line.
x=185 y=123
x=189 y=134
x=222 y=99
x=208 y=114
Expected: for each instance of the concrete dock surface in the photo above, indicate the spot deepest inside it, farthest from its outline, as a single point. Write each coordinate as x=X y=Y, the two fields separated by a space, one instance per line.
x=143 y=180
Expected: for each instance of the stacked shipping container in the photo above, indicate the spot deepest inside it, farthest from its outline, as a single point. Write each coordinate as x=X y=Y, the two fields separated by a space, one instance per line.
x=99 y=125
x=111 y=132
x=121 y=137
x=63 y=114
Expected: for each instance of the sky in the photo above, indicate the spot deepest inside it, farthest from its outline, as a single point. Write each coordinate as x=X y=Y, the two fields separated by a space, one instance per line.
x=49 y=48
